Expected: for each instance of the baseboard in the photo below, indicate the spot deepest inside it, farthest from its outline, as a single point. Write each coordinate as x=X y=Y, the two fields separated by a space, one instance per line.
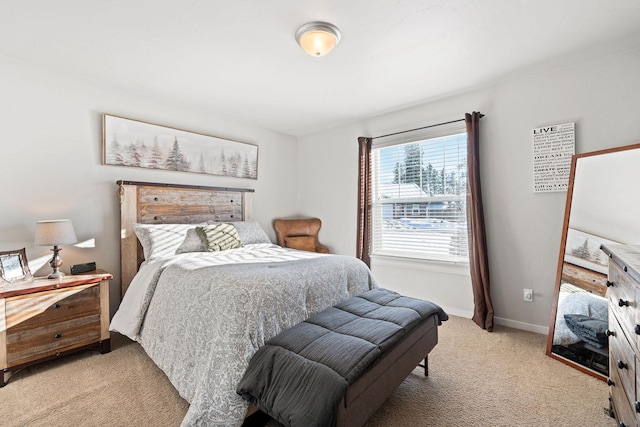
x=458 y=313
x=544 y=330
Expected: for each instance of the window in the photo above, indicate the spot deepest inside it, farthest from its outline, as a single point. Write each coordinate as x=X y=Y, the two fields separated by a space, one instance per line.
x=419 y=198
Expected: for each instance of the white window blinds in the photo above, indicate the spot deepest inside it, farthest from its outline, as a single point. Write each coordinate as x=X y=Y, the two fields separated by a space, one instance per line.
x=419 y=195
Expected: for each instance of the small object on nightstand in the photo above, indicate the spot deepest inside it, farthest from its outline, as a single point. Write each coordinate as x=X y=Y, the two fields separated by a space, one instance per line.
x=54 y=233
x=83 y=268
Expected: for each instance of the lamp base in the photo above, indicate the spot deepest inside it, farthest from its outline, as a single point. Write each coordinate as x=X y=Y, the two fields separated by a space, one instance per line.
x=56 y=275
x=55 y=263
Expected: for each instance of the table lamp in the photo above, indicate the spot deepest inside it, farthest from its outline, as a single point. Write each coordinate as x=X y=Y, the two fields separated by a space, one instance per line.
x=55 y=233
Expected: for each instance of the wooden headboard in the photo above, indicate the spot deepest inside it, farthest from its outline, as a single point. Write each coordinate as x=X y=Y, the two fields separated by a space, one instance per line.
x=154 y=203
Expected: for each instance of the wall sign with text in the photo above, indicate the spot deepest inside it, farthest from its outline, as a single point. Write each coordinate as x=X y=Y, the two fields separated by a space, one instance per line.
x=553 y=147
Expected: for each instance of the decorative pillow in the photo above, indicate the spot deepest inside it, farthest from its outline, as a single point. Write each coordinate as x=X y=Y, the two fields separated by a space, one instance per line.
x=219 y=237
x=304 y=243
x=192 y=243
x=160 y=240
x=251 y=232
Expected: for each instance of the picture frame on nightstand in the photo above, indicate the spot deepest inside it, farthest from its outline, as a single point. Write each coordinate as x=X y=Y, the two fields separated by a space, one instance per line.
x=14 y=266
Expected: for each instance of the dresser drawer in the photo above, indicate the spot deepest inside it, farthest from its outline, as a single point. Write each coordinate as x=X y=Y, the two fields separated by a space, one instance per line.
x=635 y=335
x=622 y=298
x=26 y=345
x=636 y=403
x=622 y=360
x=26 y=312
x=624 y=412
x=622 y=407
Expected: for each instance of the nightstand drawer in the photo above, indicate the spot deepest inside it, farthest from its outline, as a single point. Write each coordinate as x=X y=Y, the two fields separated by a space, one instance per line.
x=26 y=345
x=27 y=312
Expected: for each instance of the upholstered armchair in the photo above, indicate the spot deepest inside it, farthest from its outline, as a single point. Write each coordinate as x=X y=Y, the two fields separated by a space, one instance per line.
x=299 y=234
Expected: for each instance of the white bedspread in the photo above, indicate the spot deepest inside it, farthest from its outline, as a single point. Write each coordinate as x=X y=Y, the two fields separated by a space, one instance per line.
x=201 y=316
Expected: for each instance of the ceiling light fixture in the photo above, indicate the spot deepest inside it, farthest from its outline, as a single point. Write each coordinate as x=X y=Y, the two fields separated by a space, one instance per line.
x=318 y=38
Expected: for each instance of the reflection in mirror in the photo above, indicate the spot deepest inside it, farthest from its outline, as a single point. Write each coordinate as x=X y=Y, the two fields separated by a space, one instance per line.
x=602 y=207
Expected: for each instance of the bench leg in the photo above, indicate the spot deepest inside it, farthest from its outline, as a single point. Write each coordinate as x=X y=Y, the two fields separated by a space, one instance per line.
x=426 y=366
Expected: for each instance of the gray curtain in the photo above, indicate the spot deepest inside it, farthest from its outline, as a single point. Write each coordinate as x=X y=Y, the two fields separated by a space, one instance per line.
x=478 y=256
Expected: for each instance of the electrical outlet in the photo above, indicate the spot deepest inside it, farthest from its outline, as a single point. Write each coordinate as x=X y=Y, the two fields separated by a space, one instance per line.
x=528 y=295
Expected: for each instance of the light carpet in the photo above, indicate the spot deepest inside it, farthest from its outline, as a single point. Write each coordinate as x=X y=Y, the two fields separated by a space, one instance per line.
x=476 y=378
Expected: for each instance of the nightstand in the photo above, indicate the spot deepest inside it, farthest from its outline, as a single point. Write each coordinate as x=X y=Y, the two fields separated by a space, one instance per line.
x=47 y=318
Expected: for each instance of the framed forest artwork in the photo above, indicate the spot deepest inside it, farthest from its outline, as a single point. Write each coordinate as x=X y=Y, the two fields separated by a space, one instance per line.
x=583 y=249
x=128 y=142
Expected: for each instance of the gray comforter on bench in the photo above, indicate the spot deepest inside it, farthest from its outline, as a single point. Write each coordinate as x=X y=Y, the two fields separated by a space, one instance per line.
x=299 y=376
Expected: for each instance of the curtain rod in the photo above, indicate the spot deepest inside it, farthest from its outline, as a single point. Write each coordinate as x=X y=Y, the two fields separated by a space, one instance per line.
x=423 y=127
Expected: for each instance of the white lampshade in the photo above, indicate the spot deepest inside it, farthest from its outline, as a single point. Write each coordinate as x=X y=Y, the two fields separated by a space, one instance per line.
x=55 y=232
x=318 y=38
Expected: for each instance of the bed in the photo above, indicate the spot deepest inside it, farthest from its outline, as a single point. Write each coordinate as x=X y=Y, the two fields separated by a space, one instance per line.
x=200 y=316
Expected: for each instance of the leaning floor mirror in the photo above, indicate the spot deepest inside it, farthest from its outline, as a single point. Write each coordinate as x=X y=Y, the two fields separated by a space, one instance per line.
x=603 y=206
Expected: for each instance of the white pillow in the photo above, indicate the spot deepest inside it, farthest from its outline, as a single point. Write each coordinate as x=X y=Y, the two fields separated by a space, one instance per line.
x=159 y=240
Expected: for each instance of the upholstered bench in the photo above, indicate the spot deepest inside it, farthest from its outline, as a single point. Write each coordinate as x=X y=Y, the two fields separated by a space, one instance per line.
x=339 y=366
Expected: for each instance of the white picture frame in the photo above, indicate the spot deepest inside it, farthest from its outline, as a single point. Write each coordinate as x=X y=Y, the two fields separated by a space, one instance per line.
x=14 y=267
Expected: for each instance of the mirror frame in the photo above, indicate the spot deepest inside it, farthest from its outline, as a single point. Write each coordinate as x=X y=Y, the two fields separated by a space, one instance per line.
x=563 y=243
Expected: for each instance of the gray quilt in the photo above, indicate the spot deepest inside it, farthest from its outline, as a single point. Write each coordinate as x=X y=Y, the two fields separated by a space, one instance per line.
x=300 y=376
x=202 y=324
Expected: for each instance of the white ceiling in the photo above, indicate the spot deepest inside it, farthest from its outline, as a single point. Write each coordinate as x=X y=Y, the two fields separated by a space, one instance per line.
x=239 y=58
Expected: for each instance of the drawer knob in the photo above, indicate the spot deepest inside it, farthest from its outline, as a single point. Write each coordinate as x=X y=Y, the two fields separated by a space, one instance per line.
x=637 y=329
x=623 y=303
x=622 y=365
x=610 y=382
x=609 y=284
x=56 y=305
x=56 y=336
x=611 y=333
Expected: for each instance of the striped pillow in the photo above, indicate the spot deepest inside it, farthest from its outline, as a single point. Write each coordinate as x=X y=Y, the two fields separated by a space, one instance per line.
x=219 y=237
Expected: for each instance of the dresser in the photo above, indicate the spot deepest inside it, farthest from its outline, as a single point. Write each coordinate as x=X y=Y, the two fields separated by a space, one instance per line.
x=624 y=332
x=47 y=318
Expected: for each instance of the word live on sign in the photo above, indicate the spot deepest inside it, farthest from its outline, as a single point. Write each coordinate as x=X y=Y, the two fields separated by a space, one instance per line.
x=553 y=147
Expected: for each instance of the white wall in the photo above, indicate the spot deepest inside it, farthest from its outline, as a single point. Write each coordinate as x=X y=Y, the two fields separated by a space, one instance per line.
x=602 y=97
x=51 y=139
x=50 y=134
